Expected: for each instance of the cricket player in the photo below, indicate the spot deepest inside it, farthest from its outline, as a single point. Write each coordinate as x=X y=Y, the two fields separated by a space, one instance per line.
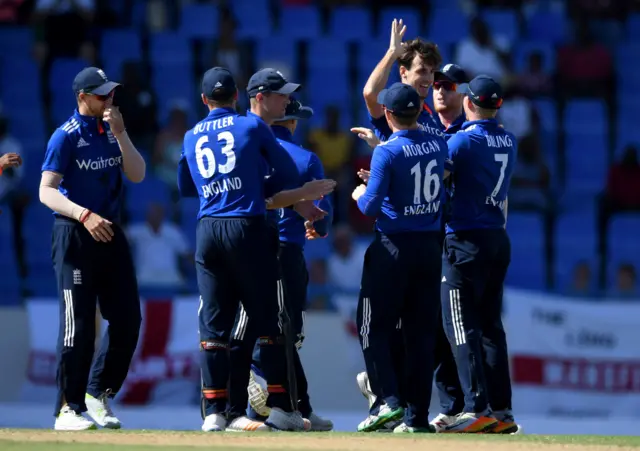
x=401 y=273
x=476 y=256
x=236 y=258
x=292 y=229
x=82 y=182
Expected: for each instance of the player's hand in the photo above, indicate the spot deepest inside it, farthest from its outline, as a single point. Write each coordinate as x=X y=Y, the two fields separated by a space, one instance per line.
x=309 y=211
x=367 y=135
x=317 y=189
x=398 y=29
x=99 y=228
x=113 y=117
x=10 y=160
x=364 y=175
x=310 y=232
x=359 y=191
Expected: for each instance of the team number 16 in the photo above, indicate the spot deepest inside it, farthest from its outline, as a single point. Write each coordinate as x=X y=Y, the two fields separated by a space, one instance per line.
x=208 y=168
x=430 y=186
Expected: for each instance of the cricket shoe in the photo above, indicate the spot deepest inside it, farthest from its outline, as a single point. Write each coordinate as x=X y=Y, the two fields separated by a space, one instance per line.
x=70 y=420
x=365 y=387
x=404 y=429
x=442 y=421
x=390 y=426
x=246 y=424
x=216 y=422
x=286 y=421
x=384 y=416
x=257 y=390
x=319 y=424
x=99 y=409
x=506 y=423
x=471 y=423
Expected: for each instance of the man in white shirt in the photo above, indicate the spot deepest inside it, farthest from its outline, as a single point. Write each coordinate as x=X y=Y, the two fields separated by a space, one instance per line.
x=158 y=247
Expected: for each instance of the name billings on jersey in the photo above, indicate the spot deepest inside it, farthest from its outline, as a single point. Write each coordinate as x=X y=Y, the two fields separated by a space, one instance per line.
x=221 y=186
x=494 y=202
x=101 y=163
x=499 y=141
x=417 y=150
x=422 y=209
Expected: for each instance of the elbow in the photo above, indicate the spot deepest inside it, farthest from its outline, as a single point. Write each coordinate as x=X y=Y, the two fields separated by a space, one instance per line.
x=369 y=94
x=138 y=176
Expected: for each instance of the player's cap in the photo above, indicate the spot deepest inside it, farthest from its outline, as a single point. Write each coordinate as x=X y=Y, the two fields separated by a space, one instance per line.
x=296 y=110
x=92 y=80
x=218 y=83
x=484 y=91
x=452 y=73
x=270 y=80
x=401 y=100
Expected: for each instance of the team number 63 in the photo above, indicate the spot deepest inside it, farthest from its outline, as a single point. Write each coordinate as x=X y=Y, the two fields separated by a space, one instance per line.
x=206 y=159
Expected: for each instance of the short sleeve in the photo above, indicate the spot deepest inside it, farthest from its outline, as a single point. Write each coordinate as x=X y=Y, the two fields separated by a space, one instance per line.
x=380 y=127
x=58 y=153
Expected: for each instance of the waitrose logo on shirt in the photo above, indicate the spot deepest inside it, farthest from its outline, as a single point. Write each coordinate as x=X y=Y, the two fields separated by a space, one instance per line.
x=101 y=163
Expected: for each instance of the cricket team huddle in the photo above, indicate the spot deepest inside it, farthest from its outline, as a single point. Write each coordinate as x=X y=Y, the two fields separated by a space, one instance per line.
x=431 y=291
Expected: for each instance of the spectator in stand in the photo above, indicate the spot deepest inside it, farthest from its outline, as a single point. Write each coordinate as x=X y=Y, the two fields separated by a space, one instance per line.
x=531 y=182
x=319 y=297
x=168 y=147
x=345 y=262
x=138 y=105
x=482 y=53
x=533 y=80
x=11 y=10
x=582 y=284
x=517 y=114
x=626 y=283
x=578 y=75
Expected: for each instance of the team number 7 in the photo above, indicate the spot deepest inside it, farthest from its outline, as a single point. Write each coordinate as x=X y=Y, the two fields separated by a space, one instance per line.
x=503 y=159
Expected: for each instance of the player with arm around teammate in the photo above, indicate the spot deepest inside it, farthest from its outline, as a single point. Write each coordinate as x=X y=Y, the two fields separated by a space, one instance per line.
x=235 y=256
x=476 y=256
x=401 y=272
x=82 y=182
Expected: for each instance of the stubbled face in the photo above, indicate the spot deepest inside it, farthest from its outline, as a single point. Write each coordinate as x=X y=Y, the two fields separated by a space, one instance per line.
x=97 y=104
x=419 y=76
x=445 y=97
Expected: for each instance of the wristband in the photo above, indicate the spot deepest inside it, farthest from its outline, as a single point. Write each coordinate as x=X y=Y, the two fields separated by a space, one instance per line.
x=85 y=215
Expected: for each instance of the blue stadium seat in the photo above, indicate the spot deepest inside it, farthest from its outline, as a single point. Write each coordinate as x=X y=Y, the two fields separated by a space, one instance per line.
x=409 y=16
x=170 y=48
x=586 y=116
x=300 y=22
x=28 y=123
x=320 y=93
x=139 y=195
x=173 y=83
x=548 y=113
x=351 y=23
x=327 y=53
x=253 y=18
x=279 y=52
x=623 y=247
x=587 y=163
x=117 y=47
x=574 y=241
x=547 y=26
x=527 y=269
x=16 y=91
x=502 y=22
x=447 y=26
x=15 y=41
x=627 y=62
x=627 y=133
x=63 y=71
x=633 y=27
x=199 y=21
x=523 y=50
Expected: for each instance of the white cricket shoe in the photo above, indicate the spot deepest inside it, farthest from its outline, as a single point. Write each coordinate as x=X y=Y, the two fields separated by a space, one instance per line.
x=99 y=410
x=379 y=422
x=69 y=420
x=246 y=424
x=319 y=424
x=286 y=421
x=442 y=421
x=365 y=387
x=216 y=422
x=257 y=390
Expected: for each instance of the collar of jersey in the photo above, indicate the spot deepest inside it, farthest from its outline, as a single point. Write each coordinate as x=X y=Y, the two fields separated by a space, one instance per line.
x=402 y=133
x=282 y=133
x=426 y=108
x=221 y=112
x=86 y=120
x=459 y=122
x=482 y=122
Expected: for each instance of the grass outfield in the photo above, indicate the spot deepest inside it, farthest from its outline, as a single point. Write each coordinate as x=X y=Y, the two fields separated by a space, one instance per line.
x=38 y=440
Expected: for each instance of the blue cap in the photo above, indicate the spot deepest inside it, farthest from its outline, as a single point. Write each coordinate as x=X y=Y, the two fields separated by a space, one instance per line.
x=218 y=83
x=483 y=91
x=296 y=110
x=270 y=80
x=93 y=80
x=401 y=100
x=452 y=73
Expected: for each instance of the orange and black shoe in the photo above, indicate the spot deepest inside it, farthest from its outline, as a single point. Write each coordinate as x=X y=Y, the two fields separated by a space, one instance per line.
x=506 y=424
x=471 y=423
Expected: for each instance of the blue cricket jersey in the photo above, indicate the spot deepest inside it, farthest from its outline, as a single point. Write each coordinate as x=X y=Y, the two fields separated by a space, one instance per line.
x=481 y=158
x=404 y=190
x=426 y=122
x=84 y=151
x=223 y=163
x=290 y=223
x=451 y=129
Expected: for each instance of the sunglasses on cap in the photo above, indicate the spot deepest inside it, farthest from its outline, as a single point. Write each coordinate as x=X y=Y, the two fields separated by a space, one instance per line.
x=446 y=85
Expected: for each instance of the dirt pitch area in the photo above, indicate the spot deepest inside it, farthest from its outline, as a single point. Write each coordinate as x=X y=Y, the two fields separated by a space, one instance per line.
x=28 y=440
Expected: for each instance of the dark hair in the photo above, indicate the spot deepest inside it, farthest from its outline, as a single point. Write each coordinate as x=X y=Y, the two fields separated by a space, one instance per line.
x=405 y=121
x=220 y=98
x=428 y=51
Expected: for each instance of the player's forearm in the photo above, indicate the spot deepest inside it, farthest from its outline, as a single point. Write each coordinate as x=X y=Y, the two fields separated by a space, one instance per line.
x=285 y=198
x=377 y=81
x=57 y=202
x=323 y=225
x=186 y=187
x=133 y=164
x=369 y=204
